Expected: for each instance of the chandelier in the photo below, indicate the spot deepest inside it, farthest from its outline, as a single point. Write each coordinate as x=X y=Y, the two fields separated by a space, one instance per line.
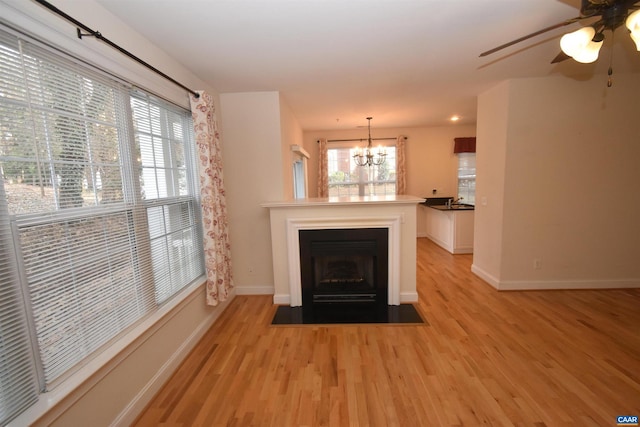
x=366 y=157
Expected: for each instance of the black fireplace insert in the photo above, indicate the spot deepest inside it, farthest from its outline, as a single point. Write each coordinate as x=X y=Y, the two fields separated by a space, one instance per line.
x=344 y=266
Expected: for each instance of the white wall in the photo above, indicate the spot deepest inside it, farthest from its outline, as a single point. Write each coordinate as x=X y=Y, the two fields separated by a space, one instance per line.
x=570 y=155
x=116 y=385
x=430 y=161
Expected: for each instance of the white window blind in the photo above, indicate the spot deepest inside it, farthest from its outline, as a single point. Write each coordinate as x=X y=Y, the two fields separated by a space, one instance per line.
x=164 y=142
x=101 y=196
x=467 y=177
x=18 y=384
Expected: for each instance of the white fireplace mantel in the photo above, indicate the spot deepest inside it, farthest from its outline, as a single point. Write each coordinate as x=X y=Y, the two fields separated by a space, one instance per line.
x=396 y=213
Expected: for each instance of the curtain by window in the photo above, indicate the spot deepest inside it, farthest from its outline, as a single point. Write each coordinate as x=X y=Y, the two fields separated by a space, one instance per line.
x=217 y=247
x=323 y=171
x=464 y=145
x=100 y=194
x=401 y=167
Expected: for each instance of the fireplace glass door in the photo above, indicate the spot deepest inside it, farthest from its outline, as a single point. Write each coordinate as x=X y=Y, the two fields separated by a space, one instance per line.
x=344 y=266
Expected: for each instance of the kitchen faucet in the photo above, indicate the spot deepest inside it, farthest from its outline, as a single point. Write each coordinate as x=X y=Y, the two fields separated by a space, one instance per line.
x=452 y=201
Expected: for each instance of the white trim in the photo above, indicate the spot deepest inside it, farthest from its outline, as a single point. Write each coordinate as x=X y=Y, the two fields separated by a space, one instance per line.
x=300 y=151
x=493 y=281
x=294 y=225
x=444 y=245
x=52 y=404
x=148 y=392
x=406 y=297
x=467 y=250
x=528 y=285
x=282 y=299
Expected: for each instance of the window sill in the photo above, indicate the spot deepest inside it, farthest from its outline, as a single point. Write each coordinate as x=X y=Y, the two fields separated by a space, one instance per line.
x=55 y=402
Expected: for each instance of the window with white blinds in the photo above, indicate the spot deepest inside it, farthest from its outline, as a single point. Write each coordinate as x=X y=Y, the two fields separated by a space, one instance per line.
x=100 y=200
x=18 y=382
x=467 y=177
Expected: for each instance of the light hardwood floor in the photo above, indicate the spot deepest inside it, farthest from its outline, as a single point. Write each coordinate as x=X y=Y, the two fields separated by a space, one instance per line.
x=543 y=358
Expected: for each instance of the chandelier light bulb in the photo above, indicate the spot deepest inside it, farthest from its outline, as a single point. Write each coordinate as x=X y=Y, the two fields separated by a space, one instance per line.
x=366 y=157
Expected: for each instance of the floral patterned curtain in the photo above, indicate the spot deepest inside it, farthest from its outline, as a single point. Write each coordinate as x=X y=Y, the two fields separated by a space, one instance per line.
x=217 y=249
x=323 y=172
x=401 y=169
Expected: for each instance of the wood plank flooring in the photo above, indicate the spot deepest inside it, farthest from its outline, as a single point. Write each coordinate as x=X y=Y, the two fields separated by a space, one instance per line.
x=543 y=358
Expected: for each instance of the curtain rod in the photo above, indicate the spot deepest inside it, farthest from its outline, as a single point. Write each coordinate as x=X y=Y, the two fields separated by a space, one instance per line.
x=361 y=139
x=100 y=37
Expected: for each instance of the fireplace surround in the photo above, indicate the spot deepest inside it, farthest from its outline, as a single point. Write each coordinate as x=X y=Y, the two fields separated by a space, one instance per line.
x=396 y=214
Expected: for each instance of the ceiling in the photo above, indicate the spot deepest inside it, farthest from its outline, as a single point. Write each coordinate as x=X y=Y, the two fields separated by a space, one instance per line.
x=406 y=63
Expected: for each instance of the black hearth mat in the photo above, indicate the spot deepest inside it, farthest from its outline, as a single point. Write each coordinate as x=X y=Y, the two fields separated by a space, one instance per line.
x=347 y=314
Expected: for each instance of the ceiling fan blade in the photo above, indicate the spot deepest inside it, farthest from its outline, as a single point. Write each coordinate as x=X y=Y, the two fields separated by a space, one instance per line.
x=528 y=36
x=560 y=57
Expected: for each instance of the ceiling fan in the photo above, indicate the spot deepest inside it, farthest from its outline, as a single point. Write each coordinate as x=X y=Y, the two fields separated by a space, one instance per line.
x=584 y=44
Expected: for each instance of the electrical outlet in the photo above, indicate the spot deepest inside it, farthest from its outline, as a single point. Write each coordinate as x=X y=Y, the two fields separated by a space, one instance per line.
x=537 y=264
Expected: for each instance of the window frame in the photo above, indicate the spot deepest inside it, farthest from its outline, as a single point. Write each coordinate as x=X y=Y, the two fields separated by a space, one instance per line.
x=92 y=364
x=364 y=184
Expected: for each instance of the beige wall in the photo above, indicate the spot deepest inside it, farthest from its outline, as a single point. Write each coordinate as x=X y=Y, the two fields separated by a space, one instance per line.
x=258 y=129
x=491 y=147
x=430 y=161
x=570 y=155
x=253 y=167
x=291 y=135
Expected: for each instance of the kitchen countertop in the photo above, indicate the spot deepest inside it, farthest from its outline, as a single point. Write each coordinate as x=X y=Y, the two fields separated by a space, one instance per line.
x=454 y=207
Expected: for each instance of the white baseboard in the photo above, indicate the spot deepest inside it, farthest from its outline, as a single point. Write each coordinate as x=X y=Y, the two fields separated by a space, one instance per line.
x=441 y=243
x=463 y=250
x=407 y=297
x=530 y=285
x=493 y=281
x=282 y=299
x=148 y=392
x=254 y=290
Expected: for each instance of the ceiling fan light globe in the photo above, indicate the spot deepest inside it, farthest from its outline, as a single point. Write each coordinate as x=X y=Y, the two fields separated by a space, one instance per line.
x=574 y=43
x=633 y=21
x=635 y=36
x=589 y=54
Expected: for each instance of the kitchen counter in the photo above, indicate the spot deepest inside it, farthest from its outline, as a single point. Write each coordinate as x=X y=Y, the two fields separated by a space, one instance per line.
x=454 y=207
x=451 y=227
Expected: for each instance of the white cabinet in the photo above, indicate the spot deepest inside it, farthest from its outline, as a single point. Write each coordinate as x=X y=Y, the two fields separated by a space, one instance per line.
x=451 y=229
